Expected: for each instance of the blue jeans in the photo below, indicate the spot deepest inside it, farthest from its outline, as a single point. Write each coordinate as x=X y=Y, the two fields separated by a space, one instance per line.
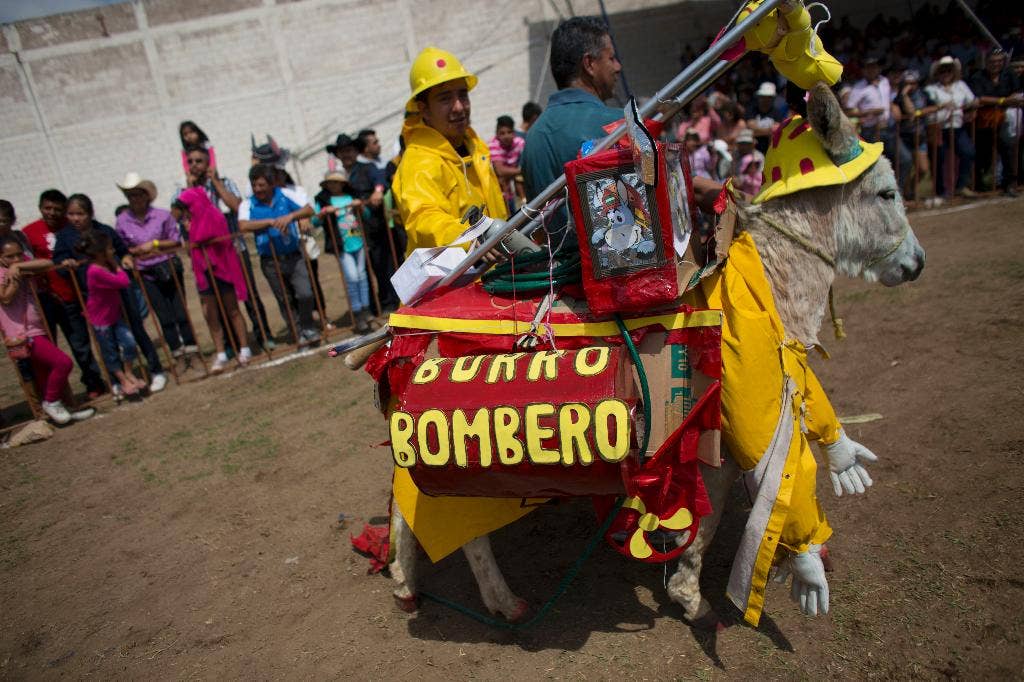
x=117 y=346
x=962 y=149
x=353 y=265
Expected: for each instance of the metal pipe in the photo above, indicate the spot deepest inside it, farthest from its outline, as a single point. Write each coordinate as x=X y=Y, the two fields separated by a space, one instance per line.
x=684 y=78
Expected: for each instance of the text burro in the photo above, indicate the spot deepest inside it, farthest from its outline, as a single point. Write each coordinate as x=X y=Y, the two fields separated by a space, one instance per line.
x=547 y=408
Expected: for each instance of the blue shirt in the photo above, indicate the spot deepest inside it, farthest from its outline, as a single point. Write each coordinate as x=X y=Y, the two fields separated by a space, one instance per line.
x=572 y=117
x=283 y=202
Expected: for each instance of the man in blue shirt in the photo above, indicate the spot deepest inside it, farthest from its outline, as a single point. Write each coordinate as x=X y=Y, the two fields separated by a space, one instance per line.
x=272 y=214
x=585 y=69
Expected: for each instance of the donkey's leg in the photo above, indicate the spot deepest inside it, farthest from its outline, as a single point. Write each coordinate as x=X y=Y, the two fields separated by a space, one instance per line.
x=493 y=589
x=403 y=568
x=684 y=585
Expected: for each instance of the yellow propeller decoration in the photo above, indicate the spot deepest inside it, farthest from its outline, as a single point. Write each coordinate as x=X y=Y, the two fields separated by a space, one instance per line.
x=638 y=545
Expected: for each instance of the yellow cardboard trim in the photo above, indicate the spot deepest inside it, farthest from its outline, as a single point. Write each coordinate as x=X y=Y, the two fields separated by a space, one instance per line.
x=698 y=318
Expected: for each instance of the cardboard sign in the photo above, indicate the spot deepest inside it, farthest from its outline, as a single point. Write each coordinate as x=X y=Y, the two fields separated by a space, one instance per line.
x=553 y=423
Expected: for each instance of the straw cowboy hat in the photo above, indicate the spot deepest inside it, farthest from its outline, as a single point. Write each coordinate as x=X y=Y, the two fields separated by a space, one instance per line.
x=135 y=181
x=946 y=61
x=340 y=175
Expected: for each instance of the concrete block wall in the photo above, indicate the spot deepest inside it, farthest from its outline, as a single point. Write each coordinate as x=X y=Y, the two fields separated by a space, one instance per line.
x=87 y=96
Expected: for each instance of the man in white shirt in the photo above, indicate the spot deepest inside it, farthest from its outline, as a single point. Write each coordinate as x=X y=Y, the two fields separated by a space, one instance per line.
x=871 y=101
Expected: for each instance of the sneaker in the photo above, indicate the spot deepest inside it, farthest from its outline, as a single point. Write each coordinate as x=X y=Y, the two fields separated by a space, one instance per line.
x=219 y=364
x=82 y=415
x=309 y=337
x=158 y=382
x=192 y=349
x=56 y=412
x=967 y=193
x=118 y=393
x=244 y=356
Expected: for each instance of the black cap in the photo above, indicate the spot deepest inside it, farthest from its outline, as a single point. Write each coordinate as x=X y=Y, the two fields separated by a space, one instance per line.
x=340 y=142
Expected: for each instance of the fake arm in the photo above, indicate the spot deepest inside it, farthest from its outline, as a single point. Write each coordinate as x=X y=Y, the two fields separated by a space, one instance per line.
x=822 y=422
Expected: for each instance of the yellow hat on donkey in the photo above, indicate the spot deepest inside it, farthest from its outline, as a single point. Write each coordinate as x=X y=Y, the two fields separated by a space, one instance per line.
x=434 y=66
x=796 y=161
x=793 y=46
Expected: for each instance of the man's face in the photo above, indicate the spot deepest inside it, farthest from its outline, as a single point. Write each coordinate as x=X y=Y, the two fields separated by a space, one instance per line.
x=603 y=69
x=871 y=72
x=995 y=64
x=53 y=213
x=447 y=110
x=765 y=103
x=262 y=189
x=347 y=155
x=198 y=163
x=691 y=143
x=372 y=146
x=138 y=200
x=506 y=136
x=1018 y=69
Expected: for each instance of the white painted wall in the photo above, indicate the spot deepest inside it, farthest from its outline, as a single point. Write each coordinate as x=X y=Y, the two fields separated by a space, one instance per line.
x=86 y=97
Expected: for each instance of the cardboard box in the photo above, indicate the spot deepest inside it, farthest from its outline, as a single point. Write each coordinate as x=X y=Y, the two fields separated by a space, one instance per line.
x=425 y=267
x=675 y=388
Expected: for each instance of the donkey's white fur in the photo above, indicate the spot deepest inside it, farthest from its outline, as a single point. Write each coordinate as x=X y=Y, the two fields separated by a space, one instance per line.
x=862 y=226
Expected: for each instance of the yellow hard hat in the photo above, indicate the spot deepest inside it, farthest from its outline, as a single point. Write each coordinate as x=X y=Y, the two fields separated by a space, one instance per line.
x=796 y=160
x=434 y=66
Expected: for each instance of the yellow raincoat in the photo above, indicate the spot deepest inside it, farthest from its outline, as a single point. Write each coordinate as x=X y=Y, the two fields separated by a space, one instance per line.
x=772 y=407
x=434 y=186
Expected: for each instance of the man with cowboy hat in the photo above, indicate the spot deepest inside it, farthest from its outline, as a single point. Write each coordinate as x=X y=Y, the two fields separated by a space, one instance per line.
x=149 y=232
x=366 y=182
x=446 y=168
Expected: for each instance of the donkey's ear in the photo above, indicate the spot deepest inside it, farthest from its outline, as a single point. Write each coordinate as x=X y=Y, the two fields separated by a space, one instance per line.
x=830 y=125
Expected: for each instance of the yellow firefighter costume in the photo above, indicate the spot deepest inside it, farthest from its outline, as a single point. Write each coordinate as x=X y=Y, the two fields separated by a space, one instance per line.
x=772 y=403
x=434 y=186
x=793 y=46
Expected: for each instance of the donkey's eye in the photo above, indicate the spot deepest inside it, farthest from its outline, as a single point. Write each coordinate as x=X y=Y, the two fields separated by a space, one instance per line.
x=888 y=194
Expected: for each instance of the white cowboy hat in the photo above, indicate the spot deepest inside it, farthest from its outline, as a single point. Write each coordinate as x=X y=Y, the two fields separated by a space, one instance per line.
x=944 y=62
x=766 y=89
x=135 y=181
x=745 y=135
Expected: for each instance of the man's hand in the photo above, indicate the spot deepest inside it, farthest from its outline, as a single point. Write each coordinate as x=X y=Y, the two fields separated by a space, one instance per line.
x=845 y=468
x=69 y=263
x=810 y=588
x=282 y=222
x=128 y=263
x=377 y=198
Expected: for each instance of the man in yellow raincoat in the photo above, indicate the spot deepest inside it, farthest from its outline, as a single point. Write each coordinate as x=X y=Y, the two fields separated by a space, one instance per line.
x=445 y=170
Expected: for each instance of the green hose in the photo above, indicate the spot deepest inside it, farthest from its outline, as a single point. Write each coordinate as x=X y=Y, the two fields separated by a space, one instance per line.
x=524 y=275
x=645 y=390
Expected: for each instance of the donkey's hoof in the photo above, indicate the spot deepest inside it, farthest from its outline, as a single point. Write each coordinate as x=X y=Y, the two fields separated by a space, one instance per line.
x=408 y=604
x=519 y=613
x=709 y=622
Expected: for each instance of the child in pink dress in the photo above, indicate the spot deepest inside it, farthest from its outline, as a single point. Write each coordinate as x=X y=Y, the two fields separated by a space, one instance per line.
x=24 y=333
x=105 y=279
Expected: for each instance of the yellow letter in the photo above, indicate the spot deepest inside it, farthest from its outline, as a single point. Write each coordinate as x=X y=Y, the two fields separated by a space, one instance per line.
x=444 y=442
x=573 y=422
x=462 y=373
x=401 y=435
x=617 y=410
x=587 y=369
x=479 y=428
x=545 y=361
x=503 y=363
x=428 y=371
x=537 y=434
x=506 y=424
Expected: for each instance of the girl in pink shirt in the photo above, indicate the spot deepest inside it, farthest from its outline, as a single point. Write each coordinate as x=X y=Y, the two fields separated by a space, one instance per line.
x=105 y=279
x=24 y=333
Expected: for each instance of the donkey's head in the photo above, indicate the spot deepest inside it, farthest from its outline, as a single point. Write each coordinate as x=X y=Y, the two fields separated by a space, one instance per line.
x=873 y=238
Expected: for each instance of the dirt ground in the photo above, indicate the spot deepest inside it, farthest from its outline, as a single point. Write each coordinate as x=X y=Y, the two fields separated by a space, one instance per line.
x=197 y=534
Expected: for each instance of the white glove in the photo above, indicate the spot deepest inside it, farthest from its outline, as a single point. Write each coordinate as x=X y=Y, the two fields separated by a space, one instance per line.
x=844 y=463
x=810 y=588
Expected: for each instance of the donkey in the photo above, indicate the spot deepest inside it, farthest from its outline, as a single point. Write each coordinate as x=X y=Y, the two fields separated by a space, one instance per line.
x=859 y=228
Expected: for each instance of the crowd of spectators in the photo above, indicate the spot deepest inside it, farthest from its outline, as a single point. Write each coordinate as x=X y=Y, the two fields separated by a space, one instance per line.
x=946 y=108
x=943 y=100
